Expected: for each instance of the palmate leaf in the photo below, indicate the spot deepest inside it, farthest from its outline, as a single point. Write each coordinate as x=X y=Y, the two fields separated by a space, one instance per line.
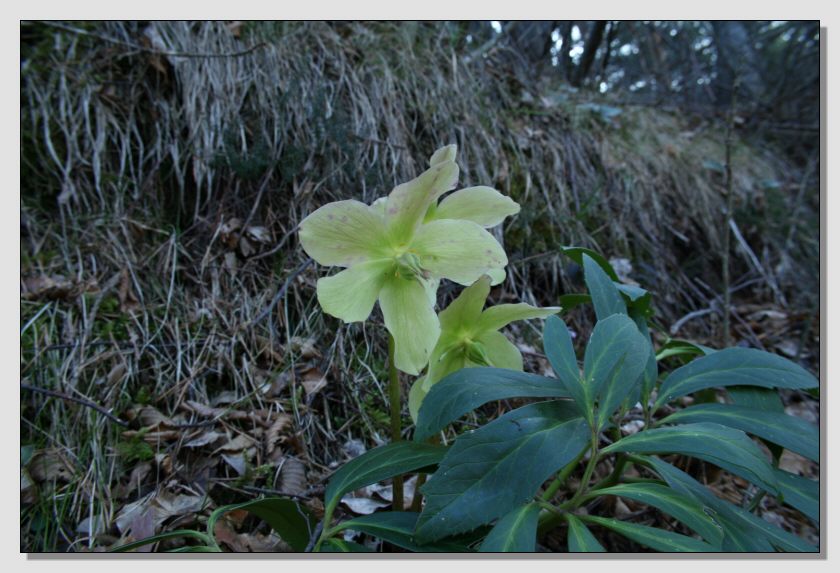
x=725 y=447
x=672 y=502
x=516 y=532
x=490 y=471
x=580 y=539
x=743 y=531
x=397 y=527
x=731 y=367
x=655 y=538
x=789 y=431
x=469 y=388
x=379 y=464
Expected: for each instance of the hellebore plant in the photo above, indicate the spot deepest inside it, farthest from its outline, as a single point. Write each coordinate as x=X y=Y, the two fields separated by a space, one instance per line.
x=470 y=337
x=397 y=250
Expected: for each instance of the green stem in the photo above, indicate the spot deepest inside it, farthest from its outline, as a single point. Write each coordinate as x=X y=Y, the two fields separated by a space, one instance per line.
x=417 y=502
x=587 y=473
x=562 y=477
x=612 y=479
x=553 y=518
x=325 y=528
x=396 y=420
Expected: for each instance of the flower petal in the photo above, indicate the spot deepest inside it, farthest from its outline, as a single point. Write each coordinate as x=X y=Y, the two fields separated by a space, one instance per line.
x=412 y=322
x=482 y=205
x=378 y=206
x=351 y=294
x=343 y=233
x=502 y=353
x=497 y=276
x=465 y=310
x=501 y=315
x=446 y=153
x=447 y=357
x=460 y=251
x=407 y=204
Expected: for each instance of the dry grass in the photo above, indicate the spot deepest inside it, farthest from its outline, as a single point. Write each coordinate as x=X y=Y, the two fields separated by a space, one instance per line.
x=136 y=166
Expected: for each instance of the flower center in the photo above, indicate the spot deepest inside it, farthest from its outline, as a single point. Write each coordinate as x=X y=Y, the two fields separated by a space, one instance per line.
x=409 y=267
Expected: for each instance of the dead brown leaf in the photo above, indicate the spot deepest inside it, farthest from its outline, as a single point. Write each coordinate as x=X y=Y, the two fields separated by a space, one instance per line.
x=49 y=465
x=313 y=381
x=52 y=287
x=237 y=444
x=292 y=478
x=305 y=346
x=281 y=423
x=128 y=300
x=204 y=439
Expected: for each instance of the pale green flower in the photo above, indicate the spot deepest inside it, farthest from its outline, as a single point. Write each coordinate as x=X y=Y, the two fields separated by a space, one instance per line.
x=470 y=337
x=395 y=256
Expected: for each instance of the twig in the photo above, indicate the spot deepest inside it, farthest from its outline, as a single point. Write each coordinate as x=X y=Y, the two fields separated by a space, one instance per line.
x=314 y=537
x=81 y=401
x=282 y=291
x=132 y=45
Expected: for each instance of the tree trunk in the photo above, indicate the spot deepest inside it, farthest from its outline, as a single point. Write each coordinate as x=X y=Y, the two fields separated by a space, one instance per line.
x=589 y=50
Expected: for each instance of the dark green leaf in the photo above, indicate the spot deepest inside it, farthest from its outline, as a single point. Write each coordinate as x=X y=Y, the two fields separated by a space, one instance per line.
x=379 y=464
x=490 y=471
x=676 y=347
x=163 y=536
x=290 y=521
x=576 y=254
x=605 y=297
x=734 y=366
x=672 y=502
x=651 y=371
x=194 y=549
x=743 y=530
x=335 y=545
x=801 y=493
x=614 y=360
x=516 y=532
x=793 y=433
x=469 y=388
x=757 y=398
x=729 y=449
x=658 y=539
x=397 y=527
x=580 y=539
x=557 y=344
x=570 y=301
x=637 y=298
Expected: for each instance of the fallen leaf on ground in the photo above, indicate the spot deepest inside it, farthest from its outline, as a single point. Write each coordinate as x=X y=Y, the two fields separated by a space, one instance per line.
x=292 y=478
x=54 y=287
x=49 y=465
x=205 y=439
x=313 y=381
